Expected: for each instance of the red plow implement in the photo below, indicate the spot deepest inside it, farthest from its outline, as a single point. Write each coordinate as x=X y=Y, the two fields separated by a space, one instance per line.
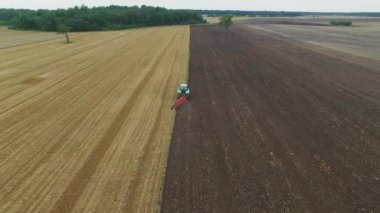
x=179 y=101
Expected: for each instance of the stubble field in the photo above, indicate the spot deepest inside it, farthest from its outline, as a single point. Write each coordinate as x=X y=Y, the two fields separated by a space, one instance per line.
x=86 y=126
x=12 y=38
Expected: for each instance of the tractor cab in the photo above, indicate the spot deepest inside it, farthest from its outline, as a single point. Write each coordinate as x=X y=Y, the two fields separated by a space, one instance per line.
x=183 y=89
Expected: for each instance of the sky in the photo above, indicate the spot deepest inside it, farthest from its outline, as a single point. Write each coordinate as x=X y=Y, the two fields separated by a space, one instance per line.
x=275 y=5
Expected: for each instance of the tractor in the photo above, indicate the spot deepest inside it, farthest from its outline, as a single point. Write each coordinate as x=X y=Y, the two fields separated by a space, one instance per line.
x=183 y=89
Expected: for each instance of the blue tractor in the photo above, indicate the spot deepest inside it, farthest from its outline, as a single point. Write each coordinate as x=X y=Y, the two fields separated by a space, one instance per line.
x=183 y=89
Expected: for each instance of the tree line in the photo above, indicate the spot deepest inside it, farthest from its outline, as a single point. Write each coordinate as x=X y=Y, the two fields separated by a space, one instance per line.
x=84 y=18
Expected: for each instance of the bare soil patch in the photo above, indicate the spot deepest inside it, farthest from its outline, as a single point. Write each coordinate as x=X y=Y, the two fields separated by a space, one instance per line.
x=215 y=20
x=362 y=39
x=273 y=126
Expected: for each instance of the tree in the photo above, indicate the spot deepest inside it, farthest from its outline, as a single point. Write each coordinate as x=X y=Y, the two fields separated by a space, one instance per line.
x=226 y=21
x=64 y=29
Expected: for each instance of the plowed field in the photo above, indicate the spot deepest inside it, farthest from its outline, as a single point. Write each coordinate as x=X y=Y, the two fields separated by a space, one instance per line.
x=86 y=126
x=361 y=40
x=274 y=126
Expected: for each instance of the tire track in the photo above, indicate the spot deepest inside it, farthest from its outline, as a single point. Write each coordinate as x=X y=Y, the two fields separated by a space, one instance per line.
x=68 y=52
x=63 y=79
x=77 y=138
x=68 y=199
x=144 y=159
x=148 y=55
x=67 y=91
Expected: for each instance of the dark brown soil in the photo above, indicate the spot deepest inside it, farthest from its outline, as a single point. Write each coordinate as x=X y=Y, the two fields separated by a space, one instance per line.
x=273 y=126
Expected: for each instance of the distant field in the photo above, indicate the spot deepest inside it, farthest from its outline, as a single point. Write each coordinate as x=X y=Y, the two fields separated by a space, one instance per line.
x=214 y=20
x=11 y=38
x=86 y=126
x=362 y=39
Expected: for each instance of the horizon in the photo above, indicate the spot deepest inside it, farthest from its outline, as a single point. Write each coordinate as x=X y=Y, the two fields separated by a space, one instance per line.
x=321 y=6
x=296 y=11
